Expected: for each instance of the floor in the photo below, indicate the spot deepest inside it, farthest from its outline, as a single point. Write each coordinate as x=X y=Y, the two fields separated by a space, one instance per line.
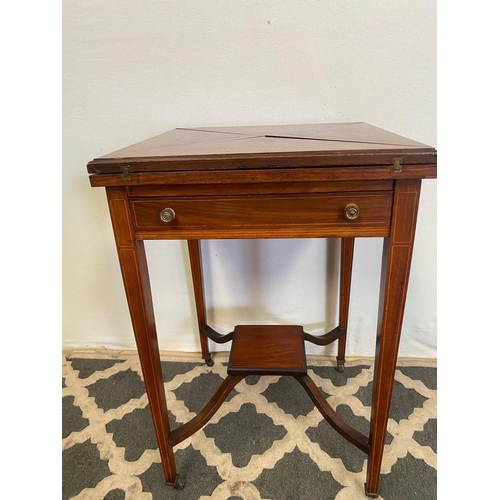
x=267 y=441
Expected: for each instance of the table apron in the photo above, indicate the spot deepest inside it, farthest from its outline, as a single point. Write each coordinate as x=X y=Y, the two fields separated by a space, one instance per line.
x=258 y=233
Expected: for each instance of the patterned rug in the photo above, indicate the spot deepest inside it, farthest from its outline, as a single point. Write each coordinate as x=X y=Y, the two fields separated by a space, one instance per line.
x=266 y=442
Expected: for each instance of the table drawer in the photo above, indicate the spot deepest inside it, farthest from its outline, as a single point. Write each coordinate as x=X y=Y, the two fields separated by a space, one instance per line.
x=357 y=210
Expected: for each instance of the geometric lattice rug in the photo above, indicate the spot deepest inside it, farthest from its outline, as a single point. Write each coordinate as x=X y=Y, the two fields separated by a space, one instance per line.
x=267 y=441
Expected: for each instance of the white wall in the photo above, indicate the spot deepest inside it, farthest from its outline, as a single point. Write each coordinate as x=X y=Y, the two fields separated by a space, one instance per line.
x=133 y=69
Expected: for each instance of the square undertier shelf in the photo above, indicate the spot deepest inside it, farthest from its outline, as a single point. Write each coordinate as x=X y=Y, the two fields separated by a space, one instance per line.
x=267 y=350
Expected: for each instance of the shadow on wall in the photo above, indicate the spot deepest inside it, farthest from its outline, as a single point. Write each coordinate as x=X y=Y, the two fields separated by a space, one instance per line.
x=260 y=282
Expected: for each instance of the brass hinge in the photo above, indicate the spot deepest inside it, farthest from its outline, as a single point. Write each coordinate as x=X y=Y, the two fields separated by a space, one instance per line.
x=125 y=172
x=397 y=165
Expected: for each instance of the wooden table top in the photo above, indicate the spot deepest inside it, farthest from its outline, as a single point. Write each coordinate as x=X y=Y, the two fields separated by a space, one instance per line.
x=263 y=147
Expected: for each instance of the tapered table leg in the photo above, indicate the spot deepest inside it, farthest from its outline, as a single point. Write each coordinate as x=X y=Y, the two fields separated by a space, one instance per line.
x=347 y=253
x=194 y=248
x=396 y=261
x=134 y=270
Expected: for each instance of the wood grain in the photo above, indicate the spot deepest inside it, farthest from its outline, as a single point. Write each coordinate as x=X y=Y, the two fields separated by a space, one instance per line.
x=132 y=258
x=195 y=260
x=346 y=260
x=267 y=350
x=265 y=146
x=172 y=190
x=265 y=211
x=263 y=175
x=396 y=260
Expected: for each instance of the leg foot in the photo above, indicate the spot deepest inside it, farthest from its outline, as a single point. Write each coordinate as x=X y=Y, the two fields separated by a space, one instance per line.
x=340 y=365
x=179 y=483
x=371 y=495
x=209 y=361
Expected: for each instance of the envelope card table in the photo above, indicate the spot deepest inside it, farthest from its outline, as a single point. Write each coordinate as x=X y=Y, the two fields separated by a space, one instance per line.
x=338 y=180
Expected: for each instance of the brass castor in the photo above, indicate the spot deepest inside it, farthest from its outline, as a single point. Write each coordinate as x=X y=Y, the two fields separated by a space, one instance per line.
x=179 y=483
x=371 y=495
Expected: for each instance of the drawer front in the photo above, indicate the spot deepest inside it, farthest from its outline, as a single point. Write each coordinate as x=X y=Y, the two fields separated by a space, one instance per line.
x=226 y=216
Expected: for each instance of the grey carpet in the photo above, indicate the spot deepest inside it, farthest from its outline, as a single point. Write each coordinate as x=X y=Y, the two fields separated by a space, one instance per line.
x=267 y=441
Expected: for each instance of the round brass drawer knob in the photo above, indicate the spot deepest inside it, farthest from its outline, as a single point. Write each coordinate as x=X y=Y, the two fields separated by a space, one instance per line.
x=351 y=211
x=167 y=215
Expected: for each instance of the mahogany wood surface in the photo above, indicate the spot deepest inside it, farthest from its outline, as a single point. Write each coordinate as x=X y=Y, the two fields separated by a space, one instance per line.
x=267 y=174
x=259 y=188
x=199 y=293
x=267 y=350
x=245 y=232
x=196 y=423
x=343 y=428
x=357 y=132
x=264 y=211
x=396 y=261
x=217 y=337
x=134 y=269
x=268 y=182
x=265 y=147
x=329 y=337
x=346 y=259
